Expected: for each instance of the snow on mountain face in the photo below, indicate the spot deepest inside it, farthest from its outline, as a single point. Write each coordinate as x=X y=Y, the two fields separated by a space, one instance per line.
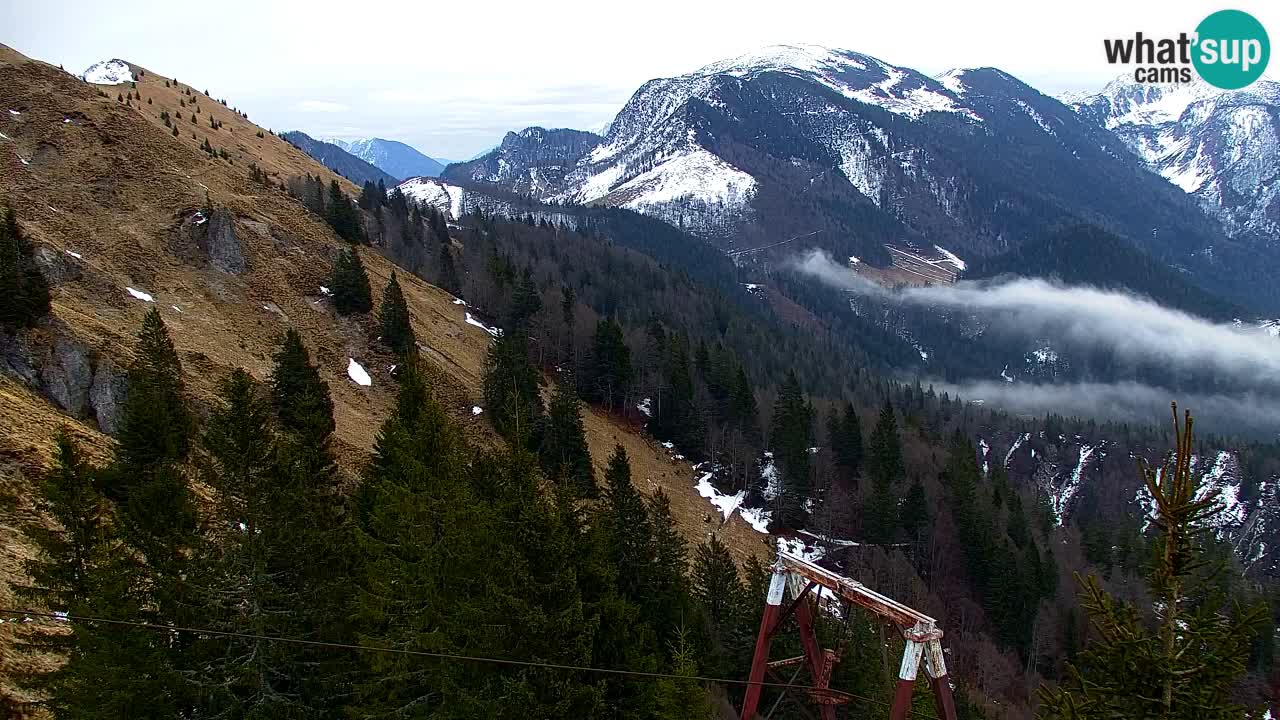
x=853 y=75
x=108 y=72
x=442 y=196
x=1063 y=471
x=659 y=156
x=1221 y=146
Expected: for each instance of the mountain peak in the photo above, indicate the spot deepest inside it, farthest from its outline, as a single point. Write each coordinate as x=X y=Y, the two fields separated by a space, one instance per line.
x=108 y=72
x=803 y=58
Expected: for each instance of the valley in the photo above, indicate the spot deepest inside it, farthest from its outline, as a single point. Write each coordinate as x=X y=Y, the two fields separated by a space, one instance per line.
x=919 y=329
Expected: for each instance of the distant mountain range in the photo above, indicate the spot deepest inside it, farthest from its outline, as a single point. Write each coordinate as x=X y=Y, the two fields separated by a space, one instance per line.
x=391 y=156
x=851 y=153
x=1221 y=146
x=338 y=160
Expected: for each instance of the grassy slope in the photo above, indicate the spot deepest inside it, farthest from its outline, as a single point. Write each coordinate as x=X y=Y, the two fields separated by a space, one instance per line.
x=114 y=185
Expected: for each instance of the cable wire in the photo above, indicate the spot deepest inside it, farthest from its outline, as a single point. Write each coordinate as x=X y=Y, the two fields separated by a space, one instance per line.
x=425 y=653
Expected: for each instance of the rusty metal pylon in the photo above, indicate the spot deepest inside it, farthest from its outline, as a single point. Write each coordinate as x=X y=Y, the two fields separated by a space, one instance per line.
x=921 y=633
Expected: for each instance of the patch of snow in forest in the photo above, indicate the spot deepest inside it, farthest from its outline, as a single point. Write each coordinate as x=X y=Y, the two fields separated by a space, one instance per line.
x=74 y=254
x=3 y=136
x=855 y=260
x=668 y=444
x=476 y=409
x=460 y=301
x=1219 y=484
x=325 y=291
x=1058 y=500
x=139 y=295
x=14 y=112
x=726 y=504
x=986 y=450
x=1005 y=374
x=357 y=373
x=176 y=309
x=491 y=330
x=796 y=547
x=1016 y=443
x=757 y=518
x=23 y=160
x=772 y=482
x=645 y=406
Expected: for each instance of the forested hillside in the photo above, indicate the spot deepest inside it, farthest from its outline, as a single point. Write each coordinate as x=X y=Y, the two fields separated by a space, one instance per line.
x=328 y=453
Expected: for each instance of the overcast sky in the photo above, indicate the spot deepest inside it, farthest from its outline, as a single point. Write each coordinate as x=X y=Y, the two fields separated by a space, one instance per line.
x=452 y=77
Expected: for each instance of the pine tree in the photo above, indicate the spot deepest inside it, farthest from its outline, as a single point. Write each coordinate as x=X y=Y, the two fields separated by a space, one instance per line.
x=278 y=564
x=23 y=287
x=350 y=282
x=564 y=451
x=682 y=699
x=300 y=398
x=628 y=528
x=397 y=331
x=156 y=425
x=721 y=599
x=668 y=599
x=677 y=419
x=846 y=441
x=743 y=412
x=791 y=437
x=448 y=273
x=609 y=374
x=1189 y=663
x=884 y=465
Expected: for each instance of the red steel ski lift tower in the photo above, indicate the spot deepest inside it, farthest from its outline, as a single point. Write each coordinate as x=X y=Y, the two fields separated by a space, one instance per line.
x=924 y=639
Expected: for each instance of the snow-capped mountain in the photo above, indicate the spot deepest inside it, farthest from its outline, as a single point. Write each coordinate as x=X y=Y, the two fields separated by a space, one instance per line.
x=1221 y=146
x=391 y=156
x=355 y=169
x=851 y=153
x=108 y=72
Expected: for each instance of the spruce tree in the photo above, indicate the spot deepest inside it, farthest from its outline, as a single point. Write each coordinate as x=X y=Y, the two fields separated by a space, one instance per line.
x=564 y=451
x=791 y=437
x=397 y=331
x=628 y=528
x=156 y=425
x=846 y=441
x=511 y=389
x=609 y=374
x=278 y=564
x=668 y=603
x=884 y=465
x=1186 y=662
x=447 y=275
x=24 y=290
x=351 y=292
x=723 y=604
x=300 y=398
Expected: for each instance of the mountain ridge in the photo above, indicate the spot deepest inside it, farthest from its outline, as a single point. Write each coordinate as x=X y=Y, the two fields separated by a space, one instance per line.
x=393 y=157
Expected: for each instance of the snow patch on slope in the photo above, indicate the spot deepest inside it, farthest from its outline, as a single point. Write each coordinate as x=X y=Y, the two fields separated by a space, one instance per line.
x=691 y=175
x=108 y=72
x=442 y=196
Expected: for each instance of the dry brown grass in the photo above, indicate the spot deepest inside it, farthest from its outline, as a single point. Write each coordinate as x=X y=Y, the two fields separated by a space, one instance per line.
x=113 y=185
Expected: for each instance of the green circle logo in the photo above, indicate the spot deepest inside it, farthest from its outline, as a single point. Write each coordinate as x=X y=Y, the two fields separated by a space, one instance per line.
x=1232 y=49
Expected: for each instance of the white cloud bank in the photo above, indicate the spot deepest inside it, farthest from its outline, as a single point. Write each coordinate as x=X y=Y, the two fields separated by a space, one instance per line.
x=1132 y=327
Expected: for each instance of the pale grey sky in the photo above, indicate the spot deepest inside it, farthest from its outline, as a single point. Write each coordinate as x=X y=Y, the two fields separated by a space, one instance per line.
x=451 y=78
